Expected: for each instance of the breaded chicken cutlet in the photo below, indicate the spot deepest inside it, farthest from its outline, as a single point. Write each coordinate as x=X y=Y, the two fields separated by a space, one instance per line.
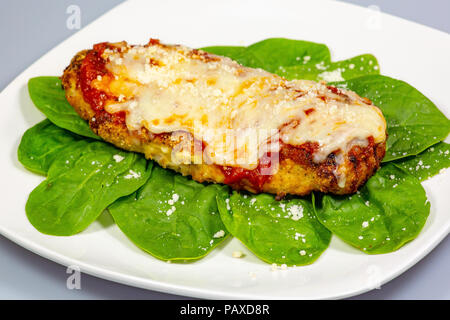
x=213 y=119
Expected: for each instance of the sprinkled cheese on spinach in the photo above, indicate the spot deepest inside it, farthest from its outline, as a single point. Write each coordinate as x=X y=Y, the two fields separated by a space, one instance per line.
x=428 y=163
x=282 y=232
x=172 y=217
x=42 y=143
x=81 y=182
x=388 y=211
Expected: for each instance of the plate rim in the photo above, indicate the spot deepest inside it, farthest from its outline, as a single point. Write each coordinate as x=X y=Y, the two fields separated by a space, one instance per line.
x=189 y=291
x=179 y=289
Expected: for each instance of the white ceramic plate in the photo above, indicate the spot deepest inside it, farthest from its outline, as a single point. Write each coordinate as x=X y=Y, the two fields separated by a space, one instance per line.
x=408 y=51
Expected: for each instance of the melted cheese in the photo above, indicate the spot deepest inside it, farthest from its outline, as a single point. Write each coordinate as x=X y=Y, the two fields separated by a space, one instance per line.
x=240 y=113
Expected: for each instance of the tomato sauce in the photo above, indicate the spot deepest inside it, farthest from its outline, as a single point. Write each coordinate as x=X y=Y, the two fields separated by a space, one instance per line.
x=256 y=177
x=92 y=67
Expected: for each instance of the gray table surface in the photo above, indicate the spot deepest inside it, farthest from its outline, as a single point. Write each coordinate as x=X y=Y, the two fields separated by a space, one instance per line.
x=29 y=28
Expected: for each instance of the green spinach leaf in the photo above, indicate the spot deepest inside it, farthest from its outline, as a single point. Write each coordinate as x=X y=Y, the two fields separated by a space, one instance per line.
x=49 y=97
x=281 y=232
x=414 y=122
x=172 y=217
x=428 y=163
x=296 y=59
x=41 y=144
x=275 y=53
x=334 y=71
x=271 y=54
x=82 y=181
x=388 y=211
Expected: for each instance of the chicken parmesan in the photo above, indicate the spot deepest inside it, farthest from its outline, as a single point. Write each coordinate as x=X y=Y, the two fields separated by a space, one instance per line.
x=209 y=117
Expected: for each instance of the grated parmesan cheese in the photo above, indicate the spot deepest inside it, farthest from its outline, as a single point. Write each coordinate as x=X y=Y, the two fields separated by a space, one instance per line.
x=219 y=234
x=132 y=175
x=331 y=76
x=118 y=158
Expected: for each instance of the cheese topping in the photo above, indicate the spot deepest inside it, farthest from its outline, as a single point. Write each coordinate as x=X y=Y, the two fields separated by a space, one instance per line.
x=240 y=113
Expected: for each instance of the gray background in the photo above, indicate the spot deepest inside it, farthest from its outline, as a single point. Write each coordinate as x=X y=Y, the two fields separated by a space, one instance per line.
x=30 y=28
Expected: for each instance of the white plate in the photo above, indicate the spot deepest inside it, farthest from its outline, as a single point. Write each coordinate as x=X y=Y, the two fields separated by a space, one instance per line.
x=408 y=51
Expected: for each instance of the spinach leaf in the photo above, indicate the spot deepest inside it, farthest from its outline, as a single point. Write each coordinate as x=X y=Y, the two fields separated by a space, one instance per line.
x=282 y=232
x=271 y=54
x=82 y=181
x=296 y=59
x=172 y=217
x=41 y=144
x=428 y=163
x=275 y=53
x=235 y=53
x=49 y=97
x=334 y=71
x=414 y=122
x=388 y=211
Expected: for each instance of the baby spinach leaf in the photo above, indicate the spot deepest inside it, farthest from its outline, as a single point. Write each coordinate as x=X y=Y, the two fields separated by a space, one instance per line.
x=428 y=163
x=271 y=54
x=49 y=97
x=282 y=232
x=334 y=71
x=414 y=122
x=388 y=211
x=295 y=59
x=82 y=181
x=41 y=144
x=172 y=217
x=274 y=54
